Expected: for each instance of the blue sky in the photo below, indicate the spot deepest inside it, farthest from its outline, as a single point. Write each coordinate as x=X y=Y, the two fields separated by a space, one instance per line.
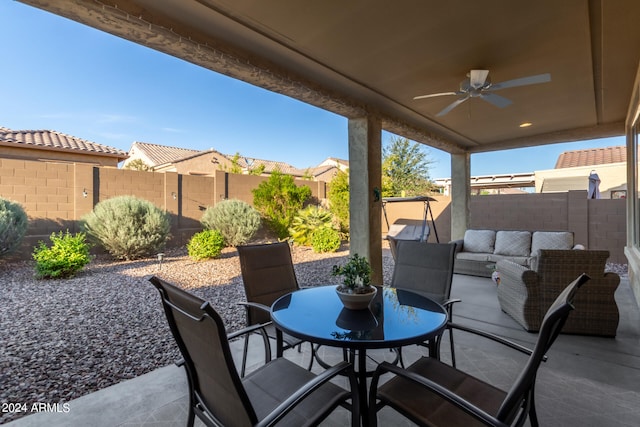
x=60 y=75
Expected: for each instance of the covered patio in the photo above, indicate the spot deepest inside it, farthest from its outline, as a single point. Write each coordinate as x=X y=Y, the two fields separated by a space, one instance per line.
x=367 y=61
x=587 y=381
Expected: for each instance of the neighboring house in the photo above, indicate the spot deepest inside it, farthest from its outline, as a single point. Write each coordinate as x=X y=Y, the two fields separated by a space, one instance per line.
x=155 y=154
x=161 y=158
x=49 y=145
x=574 y=167
x=341 y=164
x=571 y=172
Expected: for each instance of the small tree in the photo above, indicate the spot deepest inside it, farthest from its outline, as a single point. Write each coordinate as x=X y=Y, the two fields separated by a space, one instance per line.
x=405 y=169
x=278 y=199
x=137 y=164
x=339 y=199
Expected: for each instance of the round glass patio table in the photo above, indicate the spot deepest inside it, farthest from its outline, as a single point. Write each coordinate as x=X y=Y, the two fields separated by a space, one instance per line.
x=395 y=318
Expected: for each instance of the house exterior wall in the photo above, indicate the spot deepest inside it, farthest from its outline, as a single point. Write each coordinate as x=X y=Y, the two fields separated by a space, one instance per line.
x=42 y=154
x=613 y=176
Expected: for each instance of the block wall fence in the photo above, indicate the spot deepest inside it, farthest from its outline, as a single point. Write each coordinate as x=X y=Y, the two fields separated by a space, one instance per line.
x=596 y=224
x=57 y=195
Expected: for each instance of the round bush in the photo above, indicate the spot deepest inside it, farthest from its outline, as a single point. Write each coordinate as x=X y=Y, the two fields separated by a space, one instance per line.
x=325 y=240
x=67 y=255
x=13 y=226
x=236 y=220
x=205 y=244
x=128 y=227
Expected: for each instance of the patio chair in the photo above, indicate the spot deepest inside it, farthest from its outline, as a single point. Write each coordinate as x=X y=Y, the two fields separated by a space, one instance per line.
x=280 y=392
x=427 y=269
x=267 y=274
x=432 y=393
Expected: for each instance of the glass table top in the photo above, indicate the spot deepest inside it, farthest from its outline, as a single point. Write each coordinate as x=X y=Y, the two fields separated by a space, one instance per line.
x=395 y=317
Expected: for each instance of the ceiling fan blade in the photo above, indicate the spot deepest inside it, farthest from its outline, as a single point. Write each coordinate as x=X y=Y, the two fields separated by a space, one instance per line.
x=451 y=106
x=497 y=100
x=436 y=94
x=523 y=81
x=477 y=78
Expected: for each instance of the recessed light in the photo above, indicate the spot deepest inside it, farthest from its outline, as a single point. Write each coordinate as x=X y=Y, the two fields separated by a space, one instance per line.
x=525 y=124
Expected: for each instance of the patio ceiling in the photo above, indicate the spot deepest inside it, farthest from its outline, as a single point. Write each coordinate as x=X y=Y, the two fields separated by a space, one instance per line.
x=372 y=57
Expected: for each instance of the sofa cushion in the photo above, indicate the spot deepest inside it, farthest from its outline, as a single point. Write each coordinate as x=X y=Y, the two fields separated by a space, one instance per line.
x=480 y=241
x=513 y=243
x=551 y=240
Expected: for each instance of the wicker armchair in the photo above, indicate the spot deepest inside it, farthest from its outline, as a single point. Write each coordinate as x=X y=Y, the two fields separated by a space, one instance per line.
x=526 y=294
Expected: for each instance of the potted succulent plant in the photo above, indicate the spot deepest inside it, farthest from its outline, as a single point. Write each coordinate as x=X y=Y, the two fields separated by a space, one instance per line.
x=356 y=291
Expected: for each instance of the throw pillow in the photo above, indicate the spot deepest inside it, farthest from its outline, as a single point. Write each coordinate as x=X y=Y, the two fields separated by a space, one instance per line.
x=551 y=240
x=479 y=241
x=513 y=243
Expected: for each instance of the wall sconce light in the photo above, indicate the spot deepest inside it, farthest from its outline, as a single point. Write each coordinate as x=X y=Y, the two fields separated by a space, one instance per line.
x=84 y=193
x=174 y=196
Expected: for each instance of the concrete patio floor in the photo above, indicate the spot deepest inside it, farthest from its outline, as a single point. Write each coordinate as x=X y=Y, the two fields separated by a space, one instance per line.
x=587 y=381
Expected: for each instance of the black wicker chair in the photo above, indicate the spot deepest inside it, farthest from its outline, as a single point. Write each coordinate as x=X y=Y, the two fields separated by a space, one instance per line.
x=278 y=393
x=431 y=393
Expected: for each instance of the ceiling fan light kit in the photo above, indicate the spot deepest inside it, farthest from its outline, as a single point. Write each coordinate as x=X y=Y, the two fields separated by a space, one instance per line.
x=478 y=85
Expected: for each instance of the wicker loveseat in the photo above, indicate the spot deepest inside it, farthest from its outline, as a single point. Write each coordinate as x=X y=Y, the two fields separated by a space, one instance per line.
x=479 y=250
x=526 y=293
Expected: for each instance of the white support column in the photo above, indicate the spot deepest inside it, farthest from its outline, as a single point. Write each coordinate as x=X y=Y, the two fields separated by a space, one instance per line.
x=460 y=194
x=365 y=183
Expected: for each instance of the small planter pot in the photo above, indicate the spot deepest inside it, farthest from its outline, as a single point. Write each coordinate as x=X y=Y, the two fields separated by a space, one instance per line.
x=356 y=301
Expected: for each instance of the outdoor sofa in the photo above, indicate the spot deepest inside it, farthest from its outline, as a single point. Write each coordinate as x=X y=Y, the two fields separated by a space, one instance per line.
x=479 y=250
x=526 y=293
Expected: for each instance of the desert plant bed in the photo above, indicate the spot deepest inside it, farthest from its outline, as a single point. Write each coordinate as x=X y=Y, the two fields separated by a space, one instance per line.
x=62 y=339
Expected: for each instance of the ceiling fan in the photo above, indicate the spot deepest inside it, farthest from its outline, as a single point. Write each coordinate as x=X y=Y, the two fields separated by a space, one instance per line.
x=478 y=85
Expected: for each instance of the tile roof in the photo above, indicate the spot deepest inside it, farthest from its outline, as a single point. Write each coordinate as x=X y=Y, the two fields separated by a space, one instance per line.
x=269 y=165
x=592 y=157
x=50 y=139
x=161 y=154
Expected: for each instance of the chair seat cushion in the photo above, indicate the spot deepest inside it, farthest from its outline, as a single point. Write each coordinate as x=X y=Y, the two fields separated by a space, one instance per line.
x=425 y=407
x=280 y=378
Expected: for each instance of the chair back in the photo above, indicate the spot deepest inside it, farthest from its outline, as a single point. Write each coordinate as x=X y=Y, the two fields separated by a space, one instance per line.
x=200 y=334
x=425 y=268
x=522 y=389
x=267 y=274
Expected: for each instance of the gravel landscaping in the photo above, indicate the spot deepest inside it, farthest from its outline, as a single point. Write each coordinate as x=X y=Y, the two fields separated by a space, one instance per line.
x=62 y=339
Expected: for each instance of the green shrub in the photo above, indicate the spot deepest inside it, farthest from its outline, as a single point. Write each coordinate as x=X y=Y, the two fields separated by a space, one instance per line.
x=128 y=227
x=339 y=200
x=67 y=255
x=325 y=240
x=205 y=244
x=236 y=220
x=13 y=226
x=278 y=199
x=307 y=221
